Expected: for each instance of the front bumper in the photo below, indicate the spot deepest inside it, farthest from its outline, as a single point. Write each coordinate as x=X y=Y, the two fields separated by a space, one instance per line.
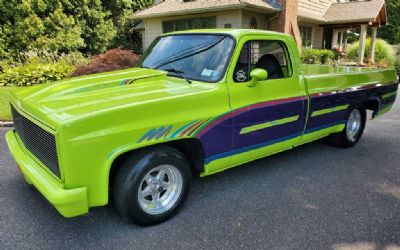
x=68 y=202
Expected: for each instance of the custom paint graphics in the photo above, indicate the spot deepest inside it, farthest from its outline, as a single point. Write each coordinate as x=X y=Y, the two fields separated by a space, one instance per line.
x=100 y=118
x=186 y=130
x=327 y=109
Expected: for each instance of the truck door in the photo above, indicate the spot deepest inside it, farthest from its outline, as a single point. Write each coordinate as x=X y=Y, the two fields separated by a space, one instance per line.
x=270 y=116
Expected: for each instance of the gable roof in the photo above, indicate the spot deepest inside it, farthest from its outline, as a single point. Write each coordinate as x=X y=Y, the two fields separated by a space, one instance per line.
x=322 y=11
x=315 y=7
x=350 y=12
x=180 y=7
x=360 y=11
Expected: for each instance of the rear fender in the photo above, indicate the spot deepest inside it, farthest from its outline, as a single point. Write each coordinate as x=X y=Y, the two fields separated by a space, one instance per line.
x=374 y=105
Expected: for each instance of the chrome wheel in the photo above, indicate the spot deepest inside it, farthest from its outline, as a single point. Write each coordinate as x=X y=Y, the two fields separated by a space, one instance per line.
x=353 y=125
x=160 y=189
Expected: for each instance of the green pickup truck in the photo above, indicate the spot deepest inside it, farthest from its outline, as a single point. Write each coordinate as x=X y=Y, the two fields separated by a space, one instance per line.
x=199 y=102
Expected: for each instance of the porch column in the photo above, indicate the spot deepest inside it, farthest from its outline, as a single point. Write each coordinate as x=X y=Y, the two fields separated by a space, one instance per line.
x=361 y=48
x=341 y=40
x=335 y=36
x=373 y=41
x=345 y=41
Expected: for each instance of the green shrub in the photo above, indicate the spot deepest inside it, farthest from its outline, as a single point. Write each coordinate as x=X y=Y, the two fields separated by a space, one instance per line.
x=384 y=53
x=317 y=56
x=396 y=49
x=73 y=58
x=34 y=72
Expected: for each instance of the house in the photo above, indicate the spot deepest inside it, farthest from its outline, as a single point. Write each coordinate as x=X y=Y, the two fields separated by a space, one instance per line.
x=313 y=23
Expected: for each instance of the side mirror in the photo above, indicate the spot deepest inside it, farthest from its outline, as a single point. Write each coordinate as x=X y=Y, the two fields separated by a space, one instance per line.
x=256 y=75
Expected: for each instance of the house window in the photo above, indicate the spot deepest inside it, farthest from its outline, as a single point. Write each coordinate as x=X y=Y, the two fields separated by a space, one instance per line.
x=306 y=36
x=187 y=24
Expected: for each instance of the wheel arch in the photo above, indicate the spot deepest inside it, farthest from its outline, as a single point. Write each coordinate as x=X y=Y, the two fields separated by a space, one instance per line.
x=191 y=148
x=373 y=105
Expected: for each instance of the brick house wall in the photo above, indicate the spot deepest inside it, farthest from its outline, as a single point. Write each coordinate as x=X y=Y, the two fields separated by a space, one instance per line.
x=286 y=21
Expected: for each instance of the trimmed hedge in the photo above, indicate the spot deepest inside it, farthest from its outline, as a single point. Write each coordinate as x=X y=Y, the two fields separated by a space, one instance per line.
x=317 y=56
x=34 y=72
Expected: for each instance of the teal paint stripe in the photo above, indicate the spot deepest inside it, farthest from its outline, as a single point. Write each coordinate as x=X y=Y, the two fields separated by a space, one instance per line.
x=181 y=129
x=249 y=148
x=311 y=130
x=125 y=81
x=156 y=133
x=268 y=143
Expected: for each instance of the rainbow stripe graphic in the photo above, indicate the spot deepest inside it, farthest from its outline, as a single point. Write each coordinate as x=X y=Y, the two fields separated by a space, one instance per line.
x=187 y=130
x=266 y=123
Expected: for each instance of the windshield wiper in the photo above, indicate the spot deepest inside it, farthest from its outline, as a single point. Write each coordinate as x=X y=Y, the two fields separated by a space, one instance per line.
x=189 y=52
x=178 y=72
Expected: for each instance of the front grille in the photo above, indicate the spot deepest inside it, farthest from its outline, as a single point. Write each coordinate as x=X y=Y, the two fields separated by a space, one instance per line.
x=39 y=142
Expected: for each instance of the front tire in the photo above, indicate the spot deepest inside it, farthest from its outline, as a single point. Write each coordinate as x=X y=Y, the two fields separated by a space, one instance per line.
x=152 y=185
x=353 y=130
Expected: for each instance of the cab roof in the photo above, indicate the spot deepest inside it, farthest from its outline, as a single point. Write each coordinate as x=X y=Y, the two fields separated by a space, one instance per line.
x=237 y=33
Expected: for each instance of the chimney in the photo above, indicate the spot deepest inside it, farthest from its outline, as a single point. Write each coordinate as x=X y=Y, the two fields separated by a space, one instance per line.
x=286 y=21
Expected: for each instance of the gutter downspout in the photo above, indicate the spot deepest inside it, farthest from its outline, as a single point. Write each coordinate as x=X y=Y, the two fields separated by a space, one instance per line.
x=272 y=18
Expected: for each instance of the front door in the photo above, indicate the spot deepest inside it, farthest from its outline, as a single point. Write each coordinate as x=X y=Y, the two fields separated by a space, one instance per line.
x=270 y=116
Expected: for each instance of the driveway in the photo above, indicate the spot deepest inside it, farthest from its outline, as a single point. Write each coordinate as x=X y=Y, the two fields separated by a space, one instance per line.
x=312 y=197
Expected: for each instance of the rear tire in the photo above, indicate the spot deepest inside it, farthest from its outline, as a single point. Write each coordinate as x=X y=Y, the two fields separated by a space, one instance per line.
x=151 y=185
x=353 y=130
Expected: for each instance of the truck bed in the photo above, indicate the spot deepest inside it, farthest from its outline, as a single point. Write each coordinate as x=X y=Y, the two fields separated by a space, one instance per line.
x=322 y=78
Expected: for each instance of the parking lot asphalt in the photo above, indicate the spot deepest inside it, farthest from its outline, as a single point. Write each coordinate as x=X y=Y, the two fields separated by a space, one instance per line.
x=311 y=197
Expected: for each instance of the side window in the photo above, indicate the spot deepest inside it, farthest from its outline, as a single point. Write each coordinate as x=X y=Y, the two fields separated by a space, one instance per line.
x=269 y=55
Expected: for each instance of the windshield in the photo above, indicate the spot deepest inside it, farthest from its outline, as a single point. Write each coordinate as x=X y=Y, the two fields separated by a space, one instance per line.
x=198 y=57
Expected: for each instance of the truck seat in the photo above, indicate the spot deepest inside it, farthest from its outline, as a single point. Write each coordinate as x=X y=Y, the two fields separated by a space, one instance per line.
x=271 y=64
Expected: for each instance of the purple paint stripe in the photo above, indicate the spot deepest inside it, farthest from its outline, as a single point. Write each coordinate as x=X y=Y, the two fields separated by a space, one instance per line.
x=248 y=108
x=215 y=122
x=269 y=103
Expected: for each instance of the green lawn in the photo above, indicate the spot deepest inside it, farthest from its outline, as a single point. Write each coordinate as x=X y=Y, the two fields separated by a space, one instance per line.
x=5 y=92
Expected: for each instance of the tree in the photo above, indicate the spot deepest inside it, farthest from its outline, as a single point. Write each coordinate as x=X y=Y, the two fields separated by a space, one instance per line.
x=63 y=26
x=37 y=26
x=98 y=29
x=126 y=37
x=391 y=32
x=51 y=26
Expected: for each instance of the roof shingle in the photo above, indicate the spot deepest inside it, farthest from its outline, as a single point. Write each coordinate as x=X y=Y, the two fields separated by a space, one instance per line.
x=179 y=7
x=353 y=11
x=345 y=12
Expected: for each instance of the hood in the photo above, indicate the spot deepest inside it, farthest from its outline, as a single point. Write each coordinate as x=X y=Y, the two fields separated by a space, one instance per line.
x=82 y=96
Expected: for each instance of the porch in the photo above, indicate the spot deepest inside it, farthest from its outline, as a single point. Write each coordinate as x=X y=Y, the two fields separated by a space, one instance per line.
x=344 y=23
x=368 y=20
